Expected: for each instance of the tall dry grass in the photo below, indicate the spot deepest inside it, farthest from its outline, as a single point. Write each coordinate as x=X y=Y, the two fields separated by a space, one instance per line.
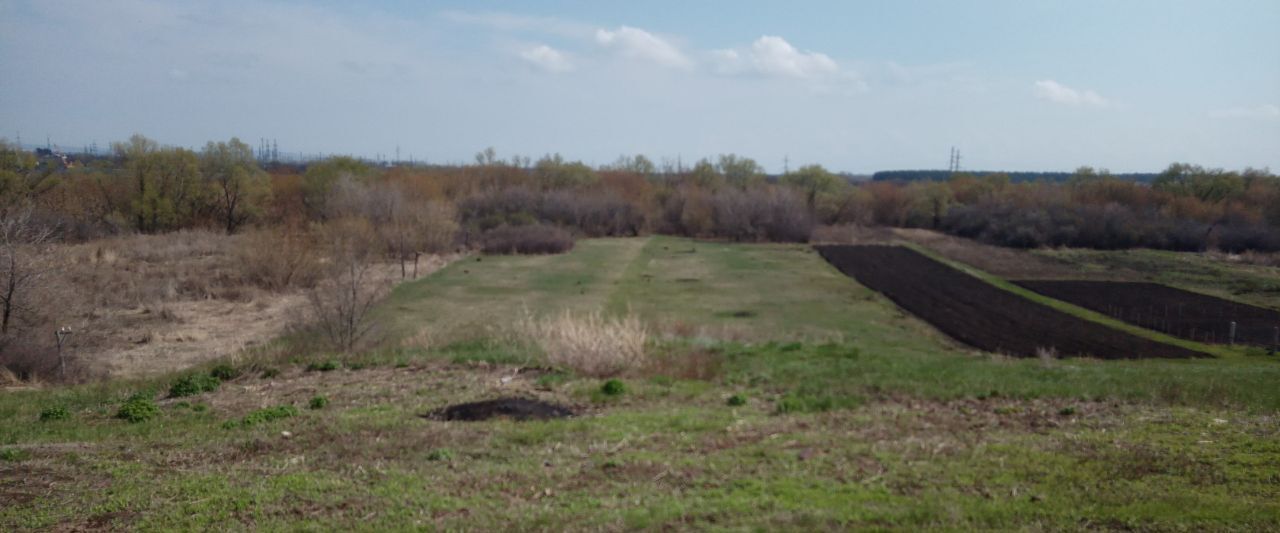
x=591 y=344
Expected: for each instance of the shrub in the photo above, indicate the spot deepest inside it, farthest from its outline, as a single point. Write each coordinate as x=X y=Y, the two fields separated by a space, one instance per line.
x=262 y=416
x=591 y=345
x=324 y=366
x=737 y=400
x=51 y=414
x=138 y=408
x=318 y=402
x=527 y=239
x=440 y=455
x=613 y=387
x=225 y=372
x=193 y=384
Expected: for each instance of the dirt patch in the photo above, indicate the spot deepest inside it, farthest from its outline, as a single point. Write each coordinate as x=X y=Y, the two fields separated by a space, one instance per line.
x=514 y=408
x=1180 y=313
x=981 y=315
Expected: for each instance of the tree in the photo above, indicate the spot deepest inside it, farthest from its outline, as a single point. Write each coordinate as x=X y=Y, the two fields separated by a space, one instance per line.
x=166 y=186
x=319 y=180
x=239 y=186
x=22 y=267
x=553 y=172
x=343 y=301
x=812 y=180
x=705 y=174
x=740 y=171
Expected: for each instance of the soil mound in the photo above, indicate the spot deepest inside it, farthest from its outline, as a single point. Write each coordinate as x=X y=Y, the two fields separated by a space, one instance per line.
x=513 y=408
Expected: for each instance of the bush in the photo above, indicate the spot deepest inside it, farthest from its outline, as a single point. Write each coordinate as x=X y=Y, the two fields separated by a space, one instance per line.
x=138 y=408
x=528 y=239
x=193 y=384
x=591 y=345
x=324 y=366
x=262 y=416
x=736 y=400
x=225 y=372
x=55 y=413
x=613 y=387
x=318 y=402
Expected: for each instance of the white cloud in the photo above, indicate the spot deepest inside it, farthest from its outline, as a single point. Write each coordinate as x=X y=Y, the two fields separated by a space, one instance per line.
x=547 y=58
x=1061 y=94
x=639 y=44
x=775 y=56
x=1262 y=112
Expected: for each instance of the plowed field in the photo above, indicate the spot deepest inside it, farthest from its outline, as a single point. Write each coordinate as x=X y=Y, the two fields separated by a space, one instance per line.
x=1180 y=313
x=981 y=315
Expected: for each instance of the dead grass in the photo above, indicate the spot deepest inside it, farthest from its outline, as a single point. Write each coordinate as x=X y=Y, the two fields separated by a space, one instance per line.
x=151 y=304
x=591 y=344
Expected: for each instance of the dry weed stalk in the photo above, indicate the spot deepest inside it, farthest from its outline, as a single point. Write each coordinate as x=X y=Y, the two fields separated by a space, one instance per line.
x=591 y=344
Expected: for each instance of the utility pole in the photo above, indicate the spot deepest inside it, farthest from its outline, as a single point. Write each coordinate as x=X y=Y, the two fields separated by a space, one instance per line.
x=786 y=164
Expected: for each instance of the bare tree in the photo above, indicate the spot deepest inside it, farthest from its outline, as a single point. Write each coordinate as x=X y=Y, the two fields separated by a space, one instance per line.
x=342 y=303
x=23 y=267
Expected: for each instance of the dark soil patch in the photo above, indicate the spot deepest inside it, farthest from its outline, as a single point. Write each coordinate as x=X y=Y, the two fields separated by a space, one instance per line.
x=984 y=316
x=513 y=408
x=1162 y=308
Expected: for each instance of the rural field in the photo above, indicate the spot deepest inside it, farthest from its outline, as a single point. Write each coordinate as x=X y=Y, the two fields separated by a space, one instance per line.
x=770 y=390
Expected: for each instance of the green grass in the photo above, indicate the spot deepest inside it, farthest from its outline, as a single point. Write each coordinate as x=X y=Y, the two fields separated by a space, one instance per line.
x=852 y=416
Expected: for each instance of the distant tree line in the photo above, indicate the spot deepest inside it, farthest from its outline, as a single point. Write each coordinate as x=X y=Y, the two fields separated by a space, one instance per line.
x=415 y=209
x=1014 y=176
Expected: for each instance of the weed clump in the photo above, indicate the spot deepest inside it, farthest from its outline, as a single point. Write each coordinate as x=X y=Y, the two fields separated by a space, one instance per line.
x=736 y=400
x=325 y=366
x=138 y=408
x=225 y=372
x=262 y=416
x=441 y=454
x=14 y=455
x=592 y=344
x=613 y=387
x=814 y=401
x=55 y=413
x=318 y=402
x=193 y=384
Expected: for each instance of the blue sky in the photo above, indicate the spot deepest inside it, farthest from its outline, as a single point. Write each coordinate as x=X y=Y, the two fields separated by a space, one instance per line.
x=855 y=86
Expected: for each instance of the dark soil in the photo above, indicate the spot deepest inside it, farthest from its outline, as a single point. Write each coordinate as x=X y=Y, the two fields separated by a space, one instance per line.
x=984 y=316
x=1162 y=308
x=513 y=408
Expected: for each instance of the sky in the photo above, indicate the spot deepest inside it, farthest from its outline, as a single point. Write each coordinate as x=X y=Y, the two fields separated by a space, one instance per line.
x=1125 y=85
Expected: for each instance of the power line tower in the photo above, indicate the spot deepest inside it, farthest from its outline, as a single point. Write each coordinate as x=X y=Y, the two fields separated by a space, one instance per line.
x=953 y=165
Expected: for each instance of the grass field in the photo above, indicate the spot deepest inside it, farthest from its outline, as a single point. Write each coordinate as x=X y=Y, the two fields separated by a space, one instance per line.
x=848 y=413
